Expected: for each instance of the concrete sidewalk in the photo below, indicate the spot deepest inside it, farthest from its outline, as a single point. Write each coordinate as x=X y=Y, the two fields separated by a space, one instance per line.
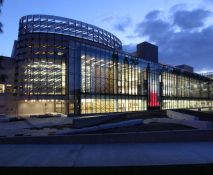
x=13 y=129
x=85 y=155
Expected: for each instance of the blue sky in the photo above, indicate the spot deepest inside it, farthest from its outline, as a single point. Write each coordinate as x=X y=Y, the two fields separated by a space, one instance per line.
x=182 y=30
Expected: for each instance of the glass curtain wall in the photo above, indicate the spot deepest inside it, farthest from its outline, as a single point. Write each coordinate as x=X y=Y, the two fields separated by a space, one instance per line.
x=104 y=81
x=41 y=64
x=108 y=81
x=42 y=77
x=185 y=90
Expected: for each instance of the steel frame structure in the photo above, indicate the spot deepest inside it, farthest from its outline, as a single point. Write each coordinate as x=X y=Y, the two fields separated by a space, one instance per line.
x=65 y=26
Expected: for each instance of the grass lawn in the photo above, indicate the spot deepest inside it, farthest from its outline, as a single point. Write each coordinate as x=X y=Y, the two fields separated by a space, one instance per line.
x=152 y=170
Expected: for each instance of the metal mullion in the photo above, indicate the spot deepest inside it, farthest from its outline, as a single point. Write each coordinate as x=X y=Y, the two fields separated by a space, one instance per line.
x=171 y=79
x=157 y=85
x=184 y=87
x=85 y=75
x=190 y=93
x=28 y=75
x=127 y=80
x=133 y=80
x=130 y=82
x=170 y=84
x=208 y=90
x=137 y=83
x=167 y=84
x=61 y=76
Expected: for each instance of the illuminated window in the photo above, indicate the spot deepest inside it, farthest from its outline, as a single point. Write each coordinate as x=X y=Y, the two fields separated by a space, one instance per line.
x=9 y=88
x=60 y=53
x=2 y=88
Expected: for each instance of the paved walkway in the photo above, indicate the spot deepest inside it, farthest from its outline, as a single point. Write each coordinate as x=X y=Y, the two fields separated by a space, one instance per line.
x=19 y=128
x=106 y=154
x=22 y=128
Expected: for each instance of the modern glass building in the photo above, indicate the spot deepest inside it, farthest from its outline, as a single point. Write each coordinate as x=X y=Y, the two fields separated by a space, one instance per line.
x=68 y=66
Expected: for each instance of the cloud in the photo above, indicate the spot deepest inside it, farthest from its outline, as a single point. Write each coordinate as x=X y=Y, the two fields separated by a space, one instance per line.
x=123 y=23
x=119 y=23
x=109 y=18
x=152 y=15
x=208 y=1
x=190 y=19
x=185 y=46
x=178 y=7
x=154 y=29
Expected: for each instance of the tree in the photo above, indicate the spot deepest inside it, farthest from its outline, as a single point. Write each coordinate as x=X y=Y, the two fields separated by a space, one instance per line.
x=1 y=25
x=3 y=77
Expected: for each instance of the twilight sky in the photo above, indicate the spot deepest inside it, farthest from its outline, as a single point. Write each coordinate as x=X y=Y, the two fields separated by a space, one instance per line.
x=182 y=29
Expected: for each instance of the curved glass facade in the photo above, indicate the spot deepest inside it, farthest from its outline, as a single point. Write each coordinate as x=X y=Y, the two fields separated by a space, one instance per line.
x=65 y=26
x=41 y=65
x=84 y=70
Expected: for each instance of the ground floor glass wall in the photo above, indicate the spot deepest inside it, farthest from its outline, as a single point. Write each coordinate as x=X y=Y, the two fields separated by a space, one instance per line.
x=59 y=106
x=175 y=104
x=108 y=104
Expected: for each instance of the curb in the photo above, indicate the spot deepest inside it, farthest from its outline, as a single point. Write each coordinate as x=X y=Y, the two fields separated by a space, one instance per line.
x=140 y=137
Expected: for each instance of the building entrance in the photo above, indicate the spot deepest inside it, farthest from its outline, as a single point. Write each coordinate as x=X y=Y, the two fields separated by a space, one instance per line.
x=59 y=106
